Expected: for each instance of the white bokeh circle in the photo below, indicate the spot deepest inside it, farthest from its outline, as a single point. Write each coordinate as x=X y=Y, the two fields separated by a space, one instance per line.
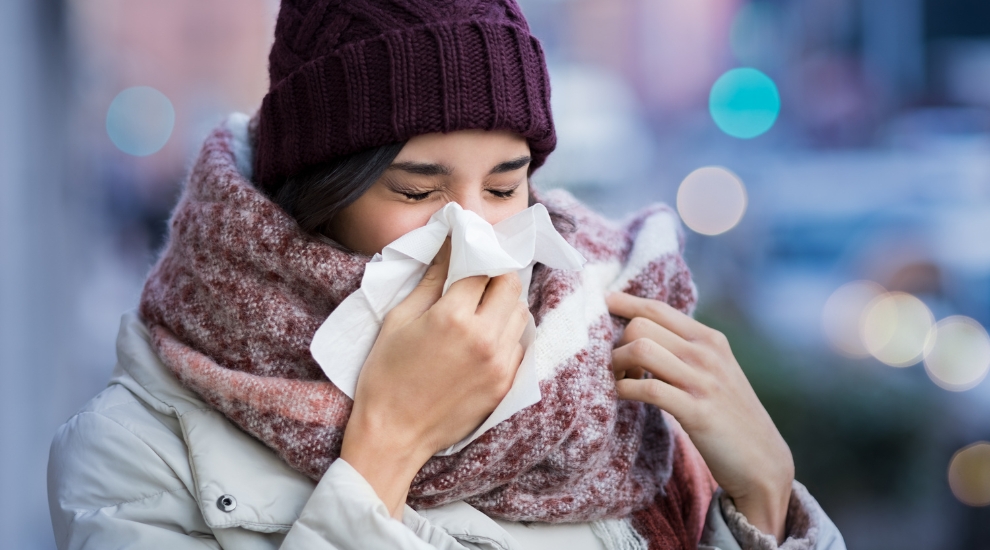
x=711 y=200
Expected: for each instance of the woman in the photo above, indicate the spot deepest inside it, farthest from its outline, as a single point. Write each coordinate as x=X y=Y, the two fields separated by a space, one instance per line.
x=219 y=430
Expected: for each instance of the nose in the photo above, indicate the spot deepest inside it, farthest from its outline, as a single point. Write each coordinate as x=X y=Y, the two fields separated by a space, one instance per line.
x=474 y=203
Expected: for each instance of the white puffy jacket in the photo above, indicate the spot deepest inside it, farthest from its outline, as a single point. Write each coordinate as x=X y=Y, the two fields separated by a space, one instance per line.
x=147 y=464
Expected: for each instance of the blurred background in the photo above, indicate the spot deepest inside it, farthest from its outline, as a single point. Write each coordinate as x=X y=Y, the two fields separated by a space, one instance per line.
x=830 y=159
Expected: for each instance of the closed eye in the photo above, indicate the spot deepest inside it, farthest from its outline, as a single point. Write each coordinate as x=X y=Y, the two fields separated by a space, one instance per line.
x=416 y=196
x=503 y=194
x=409 y=192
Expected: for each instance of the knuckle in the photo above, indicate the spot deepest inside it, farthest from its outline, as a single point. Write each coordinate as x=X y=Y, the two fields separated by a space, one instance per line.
x=641 y=350
x=521 y=311
x=461 y=319
x=432 y=275
x=654 y=389
x=636 y=327
x=716 y=338
x=496 y=379
x=485 y=347
x=654 y=308
x=453 y=320
x=513 y=283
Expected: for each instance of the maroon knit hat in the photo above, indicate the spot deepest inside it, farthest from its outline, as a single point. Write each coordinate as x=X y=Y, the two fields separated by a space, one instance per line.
x=347 y=75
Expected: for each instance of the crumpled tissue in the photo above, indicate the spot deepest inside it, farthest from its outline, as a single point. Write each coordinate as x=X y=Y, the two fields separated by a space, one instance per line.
x=344 y=340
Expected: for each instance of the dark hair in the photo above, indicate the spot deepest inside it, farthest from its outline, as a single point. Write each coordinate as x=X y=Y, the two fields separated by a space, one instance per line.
x=315 y=195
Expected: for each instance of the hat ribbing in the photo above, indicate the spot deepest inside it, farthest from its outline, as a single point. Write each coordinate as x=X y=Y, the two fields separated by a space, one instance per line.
x=354 y=74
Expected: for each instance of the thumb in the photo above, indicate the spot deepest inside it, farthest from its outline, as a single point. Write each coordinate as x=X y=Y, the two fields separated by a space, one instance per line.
x=429 y=290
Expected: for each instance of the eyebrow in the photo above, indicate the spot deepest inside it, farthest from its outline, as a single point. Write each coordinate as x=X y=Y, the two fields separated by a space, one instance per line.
x=434 y=169
x=422 y=168
x=511 y=165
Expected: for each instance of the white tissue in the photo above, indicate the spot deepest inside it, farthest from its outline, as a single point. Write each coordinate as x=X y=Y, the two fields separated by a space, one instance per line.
x=344 y=340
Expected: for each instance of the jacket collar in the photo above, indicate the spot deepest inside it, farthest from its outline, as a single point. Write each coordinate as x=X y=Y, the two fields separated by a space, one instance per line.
x=224 y=460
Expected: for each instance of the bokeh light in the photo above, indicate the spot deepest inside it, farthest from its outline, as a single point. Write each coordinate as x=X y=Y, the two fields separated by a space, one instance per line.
x=140 y=120
x=969 y=474
x=897 y=329
x=842 y=314
x=960 y=356
x=744 y=103
x=711 y=200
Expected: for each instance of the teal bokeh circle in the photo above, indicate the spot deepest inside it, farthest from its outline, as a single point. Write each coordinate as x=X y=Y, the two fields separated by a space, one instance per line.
x=140 y=120
x=744 y=103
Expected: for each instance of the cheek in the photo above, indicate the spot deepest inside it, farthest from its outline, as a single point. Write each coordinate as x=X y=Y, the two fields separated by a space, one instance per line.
x=370 y=225
x=394 y=221
x=506 y=209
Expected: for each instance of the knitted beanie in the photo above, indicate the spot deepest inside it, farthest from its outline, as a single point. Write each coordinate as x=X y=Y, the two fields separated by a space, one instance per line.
x=348 y=75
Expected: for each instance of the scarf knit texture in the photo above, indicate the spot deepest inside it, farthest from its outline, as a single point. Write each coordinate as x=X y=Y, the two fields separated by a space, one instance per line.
x=239 y=290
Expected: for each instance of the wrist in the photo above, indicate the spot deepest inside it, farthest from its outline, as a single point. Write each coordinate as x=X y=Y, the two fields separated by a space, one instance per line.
x=388 y=461
x=765 y=507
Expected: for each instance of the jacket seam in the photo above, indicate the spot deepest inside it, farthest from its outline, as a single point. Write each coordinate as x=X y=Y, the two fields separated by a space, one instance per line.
x=161 y=401
x=261 y=526
x=139 y=499
x=110 y=407
x=477 y=538
x=135 y=401
x=172 y=408
x=183 y=413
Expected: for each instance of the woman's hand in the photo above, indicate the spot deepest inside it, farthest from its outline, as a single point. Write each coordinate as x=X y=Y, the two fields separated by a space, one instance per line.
x=439 y=367
x=699 y=382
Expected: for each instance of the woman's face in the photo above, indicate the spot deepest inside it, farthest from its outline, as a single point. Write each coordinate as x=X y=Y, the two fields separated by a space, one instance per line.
x=485 y=172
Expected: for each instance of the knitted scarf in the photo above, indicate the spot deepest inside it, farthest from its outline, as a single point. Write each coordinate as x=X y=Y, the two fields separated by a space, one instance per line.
x=240 y=289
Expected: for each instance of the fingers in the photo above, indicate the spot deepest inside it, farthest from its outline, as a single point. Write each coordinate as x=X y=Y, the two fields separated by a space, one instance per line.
x=633 y=372
x=511 y=366
x=491 y=298
x=429 y=290
x=654 y=392
x=630 y=307
x=640 y=327
x=500 y=298
x=515 y=325
x=650 y=356
x=466 y=293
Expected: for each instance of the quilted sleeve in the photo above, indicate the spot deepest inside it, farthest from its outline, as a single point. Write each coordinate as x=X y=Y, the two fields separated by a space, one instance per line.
x=808 y=527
